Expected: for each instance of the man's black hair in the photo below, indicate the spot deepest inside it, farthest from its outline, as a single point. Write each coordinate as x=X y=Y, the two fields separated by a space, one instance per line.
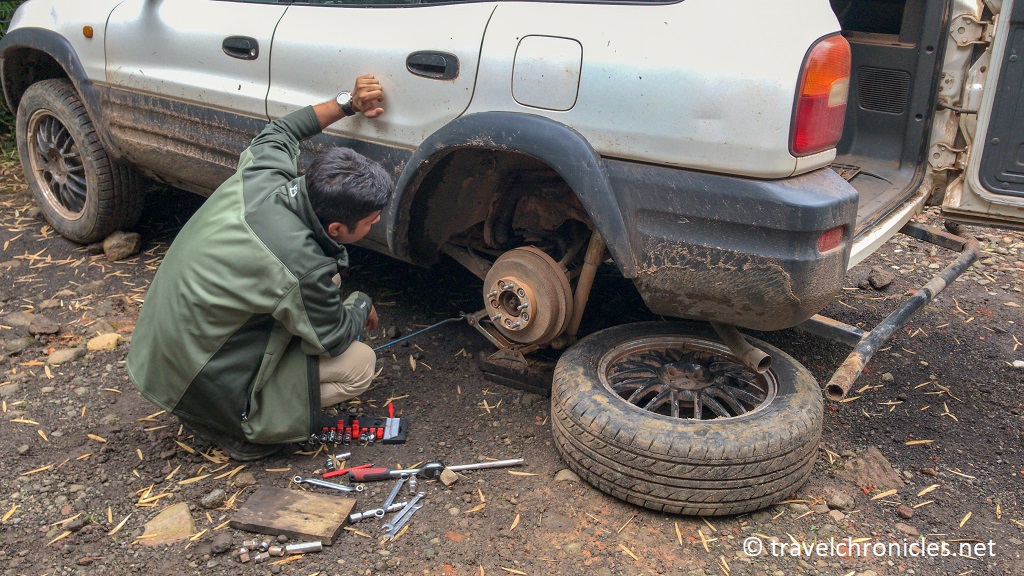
x=345 y=186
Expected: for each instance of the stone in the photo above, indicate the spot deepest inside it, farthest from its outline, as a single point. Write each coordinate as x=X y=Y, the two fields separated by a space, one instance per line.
x=18 y=319
x=872 y=468
x=880 y=278
x=904 y=511
x=91 y=287
x=836 y=515
x=838 y=499
x=23 y=450
x=566 y=475
x=448 y=477
x=104 y=342
x=888 y=377
x=215 y=499
x=820 y=508
x=49 y=304
x=1018 y=364
x=121 y=245
x=907 y=529
x=77 y=524
x=17 y=345
x=529 y=400
x=40 y=324
x=10 y=264
x=221 y=543
x=244 y=480
x=173 y=524
x=572 y=548
x=9 y=389
x=65 y=355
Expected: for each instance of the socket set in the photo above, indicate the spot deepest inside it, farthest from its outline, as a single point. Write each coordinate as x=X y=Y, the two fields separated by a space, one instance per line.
x=345 y=430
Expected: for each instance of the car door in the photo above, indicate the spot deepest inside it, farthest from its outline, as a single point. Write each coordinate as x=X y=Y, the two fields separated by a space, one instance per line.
x=186 y=83
x=991 y=190
x=424 y=55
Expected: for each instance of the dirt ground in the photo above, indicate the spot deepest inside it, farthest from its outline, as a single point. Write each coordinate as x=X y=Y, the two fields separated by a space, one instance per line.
x=927 y=449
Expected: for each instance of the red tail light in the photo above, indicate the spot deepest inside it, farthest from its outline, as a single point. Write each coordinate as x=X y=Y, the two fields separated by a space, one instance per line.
x=821 y=99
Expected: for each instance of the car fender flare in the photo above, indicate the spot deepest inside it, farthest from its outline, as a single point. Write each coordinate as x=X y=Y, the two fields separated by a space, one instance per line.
x=58 y=48
x=563 y=149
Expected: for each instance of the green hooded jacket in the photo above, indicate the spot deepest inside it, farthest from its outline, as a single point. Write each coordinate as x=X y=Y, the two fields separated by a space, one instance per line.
x=244 y=303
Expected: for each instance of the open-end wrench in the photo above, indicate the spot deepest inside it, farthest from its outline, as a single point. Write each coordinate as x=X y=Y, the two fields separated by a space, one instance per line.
x=401 y=522
x=394 y=491
x=380 y=512
x=331 y=485
x=404 y=512
x=375 y=513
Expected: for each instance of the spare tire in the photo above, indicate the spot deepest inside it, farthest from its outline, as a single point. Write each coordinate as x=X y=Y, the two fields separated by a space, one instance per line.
x=663 y=415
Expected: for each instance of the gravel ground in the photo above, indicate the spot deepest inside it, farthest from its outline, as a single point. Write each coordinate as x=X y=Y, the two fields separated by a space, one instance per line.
x=929 y=444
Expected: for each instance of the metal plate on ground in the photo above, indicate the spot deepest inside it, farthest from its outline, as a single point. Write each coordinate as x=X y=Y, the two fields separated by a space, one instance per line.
x=297 y=514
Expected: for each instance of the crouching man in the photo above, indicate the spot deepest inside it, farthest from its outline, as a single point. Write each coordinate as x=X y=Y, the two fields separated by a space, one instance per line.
x=244 y=333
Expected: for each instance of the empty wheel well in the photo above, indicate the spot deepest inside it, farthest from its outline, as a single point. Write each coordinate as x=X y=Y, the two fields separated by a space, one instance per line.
x=24 y=67
x=492 y=200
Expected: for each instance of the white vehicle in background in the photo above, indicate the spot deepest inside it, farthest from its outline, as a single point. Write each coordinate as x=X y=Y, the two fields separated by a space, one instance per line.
x=733 y=159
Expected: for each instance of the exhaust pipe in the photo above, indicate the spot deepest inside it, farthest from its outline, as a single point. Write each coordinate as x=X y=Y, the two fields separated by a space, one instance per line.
x=756 y=360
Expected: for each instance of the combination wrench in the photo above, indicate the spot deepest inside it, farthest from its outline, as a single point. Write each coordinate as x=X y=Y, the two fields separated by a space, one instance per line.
x=407 y=511
x=331 y=485
x=397 y=527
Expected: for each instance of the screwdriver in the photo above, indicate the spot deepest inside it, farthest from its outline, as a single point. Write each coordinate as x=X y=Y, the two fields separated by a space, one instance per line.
x=429 y=471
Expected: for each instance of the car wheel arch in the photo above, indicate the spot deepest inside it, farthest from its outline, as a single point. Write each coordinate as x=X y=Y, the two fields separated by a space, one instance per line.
x=552 y=144
x=47 y=55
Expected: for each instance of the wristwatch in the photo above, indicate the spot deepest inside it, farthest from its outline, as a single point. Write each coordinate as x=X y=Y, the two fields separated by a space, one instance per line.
x=345 y=101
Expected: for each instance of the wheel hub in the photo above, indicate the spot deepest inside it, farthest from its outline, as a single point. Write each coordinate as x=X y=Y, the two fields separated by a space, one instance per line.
x=57 y=164
x=685 y=377
x=527 y=296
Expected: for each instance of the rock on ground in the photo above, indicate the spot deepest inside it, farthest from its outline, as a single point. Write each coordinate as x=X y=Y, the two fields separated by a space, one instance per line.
x=121 y=245
x=871 y=468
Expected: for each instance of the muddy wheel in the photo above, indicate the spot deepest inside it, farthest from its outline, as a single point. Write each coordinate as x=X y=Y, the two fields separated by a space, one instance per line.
x=82 y=193
x=662 y=414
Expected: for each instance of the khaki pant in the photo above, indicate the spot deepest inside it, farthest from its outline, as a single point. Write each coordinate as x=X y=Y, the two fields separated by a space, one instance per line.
x=347 y=375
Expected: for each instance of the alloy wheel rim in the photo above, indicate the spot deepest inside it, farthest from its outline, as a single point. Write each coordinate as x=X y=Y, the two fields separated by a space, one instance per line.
x=686 y=378
x=57 y=164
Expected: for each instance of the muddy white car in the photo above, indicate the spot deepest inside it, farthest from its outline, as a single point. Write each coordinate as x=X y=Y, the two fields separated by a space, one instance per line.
x=733 y=159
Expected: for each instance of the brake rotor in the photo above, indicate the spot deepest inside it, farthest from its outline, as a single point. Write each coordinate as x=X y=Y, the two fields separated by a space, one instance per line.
x=527 y=296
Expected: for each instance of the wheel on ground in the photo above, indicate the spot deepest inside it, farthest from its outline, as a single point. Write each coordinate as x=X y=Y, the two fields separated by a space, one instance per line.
x=82 y=193
x=663 y=415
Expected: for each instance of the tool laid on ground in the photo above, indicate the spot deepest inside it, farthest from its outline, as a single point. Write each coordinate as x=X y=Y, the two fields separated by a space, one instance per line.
x=428 y=471
x=363 y=429
x=396 y=523
x=375 y=513
x=331 y=485
x=343 y=471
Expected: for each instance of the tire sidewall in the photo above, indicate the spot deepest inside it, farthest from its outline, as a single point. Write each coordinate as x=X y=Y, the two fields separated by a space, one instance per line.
x=86 y=226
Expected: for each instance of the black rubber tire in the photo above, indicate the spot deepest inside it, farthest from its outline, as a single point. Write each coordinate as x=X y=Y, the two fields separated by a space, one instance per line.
x=677 y=465
x=114 y=197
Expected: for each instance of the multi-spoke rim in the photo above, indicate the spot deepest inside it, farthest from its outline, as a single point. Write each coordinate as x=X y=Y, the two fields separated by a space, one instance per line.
x=57 y=164
x=685 y=377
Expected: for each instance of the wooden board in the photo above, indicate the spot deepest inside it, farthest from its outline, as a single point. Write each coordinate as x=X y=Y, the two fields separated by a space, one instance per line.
x=297 y=514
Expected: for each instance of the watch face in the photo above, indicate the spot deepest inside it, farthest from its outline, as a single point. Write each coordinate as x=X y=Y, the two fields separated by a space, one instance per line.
x=344 y=99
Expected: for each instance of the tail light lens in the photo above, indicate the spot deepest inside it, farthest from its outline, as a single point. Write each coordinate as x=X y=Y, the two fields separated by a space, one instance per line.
x=821 y=99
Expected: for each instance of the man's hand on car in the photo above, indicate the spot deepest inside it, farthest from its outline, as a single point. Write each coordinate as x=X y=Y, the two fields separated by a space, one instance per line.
x=366 y=94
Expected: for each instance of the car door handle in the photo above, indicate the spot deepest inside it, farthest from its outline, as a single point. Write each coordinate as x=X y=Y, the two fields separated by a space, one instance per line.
x=241 y=47
x=435 y=65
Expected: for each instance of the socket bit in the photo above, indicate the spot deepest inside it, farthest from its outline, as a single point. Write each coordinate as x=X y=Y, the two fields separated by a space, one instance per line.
x=304 y=547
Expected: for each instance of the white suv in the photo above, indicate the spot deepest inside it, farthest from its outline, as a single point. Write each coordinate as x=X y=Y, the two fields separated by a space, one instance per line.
x=732 y=158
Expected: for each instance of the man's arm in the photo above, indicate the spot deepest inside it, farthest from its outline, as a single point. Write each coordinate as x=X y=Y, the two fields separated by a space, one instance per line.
x=276 y=149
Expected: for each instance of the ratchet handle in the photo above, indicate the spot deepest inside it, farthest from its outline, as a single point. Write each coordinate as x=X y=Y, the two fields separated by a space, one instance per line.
x=369 y=474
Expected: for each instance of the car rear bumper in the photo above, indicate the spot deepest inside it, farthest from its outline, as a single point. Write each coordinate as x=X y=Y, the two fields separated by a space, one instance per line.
x=734 y=250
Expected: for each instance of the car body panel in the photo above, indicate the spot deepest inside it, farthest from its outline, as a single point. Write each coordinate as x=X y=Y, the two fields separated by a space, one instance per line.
x=675 y=106
x=991 y=189
x=318 y=50
x=168 y=49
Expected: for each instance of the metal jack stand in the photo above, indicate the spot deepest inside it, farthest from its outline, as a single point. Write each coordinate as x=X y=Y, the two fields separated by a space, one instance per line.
x=866 y=343
x=508 y=365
